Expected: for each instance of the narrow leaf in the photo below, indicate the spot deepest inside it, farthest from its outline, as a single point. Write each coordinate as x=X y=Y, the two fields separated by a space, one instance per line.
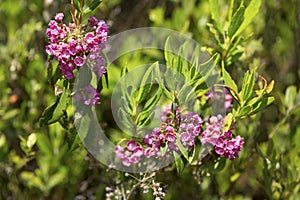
x=246 y=110
x=270 y=87
x=248 y=84
x=215 y=13
x=262 y=104
x=163 y=150
x=53 y=113
x=228 y=80
x=290 y=96
x=182 y=148
x=250 y=12
x=146 y=83
x=31 y=140
x=153 y=100
x=236 y=22
x=77 y=5
x=72 y=138
x=168 y=53
x=228 y=122
x=92 y=6
x=178 y=162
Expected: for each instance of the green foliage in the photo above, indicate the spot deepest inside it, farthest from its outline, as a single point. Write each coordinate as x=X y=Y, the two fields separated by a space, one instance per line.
x=250 y=43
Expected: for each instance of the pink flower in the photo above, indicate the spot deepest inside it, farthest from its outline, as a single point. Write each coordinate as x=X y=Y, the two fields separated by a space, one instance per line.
x=67 y=46
x=131 y=145
x=59 y=16
x=170 y=137
x=89 y=38
x=68 y=75
x=79 y=61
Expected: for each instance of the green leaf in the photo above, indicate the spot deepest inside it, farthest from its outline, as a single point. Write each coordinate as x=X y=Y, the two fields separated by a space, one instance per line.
x=212 y=29
x=146 y=83
x=229 y=81
x=215 y=13
x=231 y=9
x=153 y=100
x=236 y=22
x=126 y=105
x=228 y=122
x=31 y=180
x=163 y=150
x=182 y=148
x=83 y=126
x=178 y=162
x=290 y=96
x=124 y=70
x=246 y=110
x=56 y=76
x=220 y=165
x=144 y=118
x=57 y=178
x=10 y=114
x=248 y=84
x=270 y=87
x=262 y=104
x=260 y=152
x=31 y=140
x=125 y=118
x=44 y=145
x=92 y=6
x=77 y=5
x=179 y=63
x=235 y=176
x=195 y=154
x=204 y=71
x=72 y=138
x=250 y=12
x=53 y=113
x=169 y=56
x=141 y=94
x=186 y=94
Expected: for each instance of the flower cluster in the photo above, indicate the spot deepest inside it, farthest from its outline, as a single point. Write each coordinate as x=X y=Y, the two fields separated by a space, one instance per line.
x=186 y=127
x=71 y=45
x=130 y=154
x=88 y=95
x=224 y=143
x=190 y=128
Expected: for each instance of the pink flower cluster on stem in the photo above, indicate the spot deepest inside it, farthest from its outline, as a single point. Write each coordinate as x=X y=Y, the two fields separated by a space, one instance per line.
x=224 y=143
x=186 y=127
x=88 y=95
x=71 y=45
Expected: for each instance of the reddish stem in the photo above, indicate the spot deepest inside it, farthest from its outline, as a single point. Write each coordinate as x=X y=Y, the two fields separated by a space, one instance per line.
x=73 y=13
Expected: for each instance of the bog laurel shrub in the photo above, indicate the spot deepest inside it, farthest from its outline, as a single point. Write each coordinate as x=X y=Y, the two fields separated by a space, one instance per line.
x=179 y=121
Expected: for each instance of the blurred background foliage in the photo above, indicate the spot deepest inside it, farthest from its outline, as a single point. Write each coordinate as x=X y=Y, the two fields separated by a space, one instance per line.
x=37 y=163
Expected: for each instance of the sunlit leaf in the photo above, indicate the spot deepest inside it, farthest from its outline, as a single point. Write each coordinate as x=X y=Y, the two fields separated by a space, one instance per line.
x=77 y=5
x=248 y=84
x=229 y=81
x=215 y=13
x=31 y=140
x=182 y=149
x=236 y=21
x=290 y=96
x=92 y=6
x=250 y=12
